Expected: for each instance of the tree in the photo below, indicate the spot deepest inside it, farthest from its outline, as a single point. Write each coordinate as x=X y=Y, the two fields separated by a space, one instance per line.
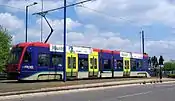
x=169 y=66
x=5 y=44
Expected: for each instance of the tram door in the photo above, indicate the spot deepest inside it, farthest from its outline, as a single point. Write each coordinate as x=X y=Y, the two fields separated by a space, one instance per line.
x=56 y=64
x=93 y=64
x=126 y=67
x=71 y=65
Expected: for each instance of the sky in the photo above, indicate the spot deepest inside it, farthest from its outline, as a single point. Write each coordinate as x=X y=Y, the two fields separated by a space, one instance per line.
x=105 y=24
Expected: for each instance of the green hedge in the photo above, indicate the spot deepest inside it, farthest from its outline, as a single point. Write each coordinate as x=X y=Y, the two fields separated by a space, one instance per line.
x=171 y=75
x=169 y=66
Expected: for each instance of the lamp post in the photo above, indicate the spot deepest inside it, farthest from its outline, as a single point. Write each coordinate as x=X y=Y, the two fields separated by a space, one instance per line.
x=27 y=16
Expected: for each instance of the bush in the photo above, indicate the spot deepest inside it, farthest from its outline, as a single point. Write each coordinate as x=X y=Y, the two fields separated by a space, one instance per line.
x=171 y=75
x=169 y=66
x=5 y=43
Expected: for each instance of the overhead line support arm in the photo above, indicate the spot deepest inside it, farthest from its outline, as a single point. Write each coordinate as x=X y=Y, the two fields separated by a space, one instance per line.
x=51 y=29
x=63 y=7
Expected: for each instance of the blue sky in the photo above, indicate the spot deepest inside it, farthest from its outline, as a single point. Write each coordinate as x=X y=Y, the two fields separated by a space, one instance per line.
x=108 y=24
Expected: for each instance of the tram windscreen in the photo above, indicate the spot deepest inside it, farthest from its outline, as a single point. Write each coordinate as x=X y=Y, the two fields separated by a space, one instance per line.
x=15 y=55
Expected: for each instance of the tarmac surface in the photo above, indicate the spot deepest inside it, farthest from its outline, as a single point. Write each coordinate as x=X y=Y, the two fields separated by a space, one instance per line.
x=12 y=85
x=150 y=92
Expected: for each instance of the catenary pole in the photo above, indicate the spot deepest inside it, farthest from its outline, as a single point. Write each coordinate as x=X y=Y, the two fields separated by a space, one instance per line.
x=143 y=44
x=64 y=57
x=26 y=23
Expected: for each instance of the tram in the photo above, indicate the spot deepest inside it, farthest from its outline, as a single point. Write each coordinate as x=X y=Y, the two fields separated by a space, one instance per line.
x=44 y=61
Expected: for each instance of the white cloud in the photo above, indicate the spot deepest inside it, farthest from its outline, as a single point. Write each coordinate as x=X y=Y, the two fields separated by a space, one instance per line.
x=109 y=34
x=130 y=11
x=74 y=36
x=91 y=35
x=48 y=4
x=11 y=22
x=58 y=24
x=164 y=13
x=71 y=24
x=91 y=29
x=157 y=48
x=162 y=47
x=17 y=28
x=96 y=39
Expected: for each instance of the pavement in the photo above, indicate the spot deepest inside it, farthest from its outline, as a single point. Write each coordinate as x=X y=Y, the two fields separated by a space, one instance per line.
x=135 y=92
x=27 y=88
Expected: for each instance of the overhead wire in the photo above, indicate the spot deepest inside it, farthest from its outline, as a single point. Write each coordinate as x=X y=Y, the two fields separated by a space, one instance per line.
x=99 y=12
x=103 y=13
x=109 y=16
x=12 y=7
x=80 y=5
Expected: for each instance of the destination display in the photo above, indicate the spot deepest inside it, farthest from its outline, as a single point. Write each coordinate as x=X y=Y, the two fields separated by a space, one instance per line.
x=125 y=54
x=137 y=56
x=71 y=49
x=57 y=48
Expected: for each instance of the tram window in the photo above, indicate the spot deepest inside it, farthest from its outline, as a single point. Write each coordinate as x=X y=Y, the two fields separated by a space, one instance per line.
x=91 y=63
x=145 y=63
x=95 y=63
x=119 y=64
x=74 y=62
x=69 y=62
x=107 y=64
x=133 y=64
x=83 y=63
x=43 y=59
x=57 y=60
x=27 y=57
x=139 y=64
x=126 y=64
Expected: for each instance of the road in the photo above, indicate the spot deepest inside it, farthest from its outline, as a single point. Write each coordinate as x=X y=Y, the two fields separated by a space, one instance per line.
x=150 y=92
x=12 y=85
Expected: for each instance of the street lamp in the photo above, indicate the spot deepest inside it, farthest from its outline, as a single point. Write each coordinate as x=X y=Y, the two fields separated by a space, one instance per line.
x=27 y=16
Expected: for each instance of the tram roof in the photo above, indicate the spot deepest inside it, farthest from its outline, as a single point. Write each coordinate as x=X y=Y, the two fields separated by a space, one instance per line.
x=41 y=44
